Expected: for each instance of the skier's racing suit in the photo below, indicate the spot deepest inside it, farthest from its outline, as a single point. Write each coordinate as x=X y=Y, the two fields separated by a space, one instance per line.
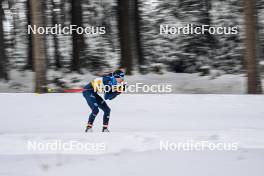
x=95 y=101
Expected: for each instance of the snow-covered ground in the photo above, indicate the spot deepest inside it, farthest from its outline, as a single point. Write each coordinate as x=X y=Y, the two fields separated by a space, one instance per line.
x=139 y=123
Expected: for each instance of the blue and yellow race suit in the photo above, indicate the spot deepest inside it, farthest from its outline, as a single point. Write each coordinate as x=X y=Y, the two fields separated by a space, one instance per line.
x=91 y=92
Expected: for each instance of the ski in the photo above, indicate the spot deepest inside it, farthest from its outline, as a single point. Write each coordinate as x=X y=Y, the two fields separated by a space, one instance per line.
x=61 y=90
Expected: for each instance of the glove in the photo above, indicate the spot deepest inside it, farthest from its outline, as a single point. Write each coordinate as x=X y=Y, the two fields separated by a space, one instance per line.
x=120 y=87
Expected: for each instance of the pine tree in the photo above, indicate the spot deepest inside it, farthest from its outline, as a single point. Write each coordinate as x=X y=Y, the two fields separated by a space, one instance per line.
x=100 y=51
x=125 y=27
x=254 y=82
x=30 y=63
x=129 y=34
x=77 y=39
x=228 y=55
x=57 y=54
x=138 y=21
x=196 y=48
x=39 y=47
x=3 y=57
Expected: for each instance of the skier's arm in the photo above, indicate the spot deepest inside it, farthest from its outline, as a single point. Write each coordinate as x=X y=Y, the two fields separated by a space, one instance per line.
x=114 y=92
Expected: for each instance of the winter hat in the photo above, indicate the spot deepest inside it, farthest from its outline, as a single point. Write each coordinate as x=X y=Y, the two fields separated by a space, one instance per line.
x=118 y=74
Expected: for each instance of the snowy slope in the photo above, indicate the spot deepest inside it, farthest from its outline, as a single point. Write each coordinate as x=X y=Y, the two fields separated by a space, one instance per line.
x=181 y=82
x=138 y=124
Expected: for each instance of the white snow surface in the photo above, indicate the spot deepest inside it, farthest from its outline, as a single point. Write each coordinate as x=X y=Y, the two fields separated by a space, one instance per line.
x=138 y=124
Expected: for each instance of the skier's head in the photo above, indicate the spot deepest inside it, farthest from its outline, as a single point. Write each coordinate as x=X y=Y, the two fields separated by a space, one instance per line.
x=119 y=75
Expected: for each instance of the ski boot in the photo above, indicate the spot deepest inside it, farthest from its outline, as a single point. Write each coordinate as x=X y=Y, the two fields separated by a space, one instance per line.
x=105 y=129
x=88 y=128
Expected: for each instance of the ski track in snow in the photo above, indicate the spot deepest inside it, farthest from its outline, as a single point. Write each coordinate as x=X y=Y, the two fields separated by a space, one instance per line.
x=138 y=124
x=117 y=143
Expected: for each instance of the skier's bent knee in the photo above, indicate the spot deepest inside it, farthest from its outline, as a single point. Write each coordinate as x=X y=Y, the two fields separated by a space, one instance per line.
x=107 y=111
x=95 y=111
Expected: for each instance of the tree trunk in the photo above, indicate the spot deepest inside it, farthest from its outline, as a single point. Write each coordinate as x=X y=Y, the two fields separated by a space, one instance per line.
x=140 y=56
x=55 y=38
x=124 y=26
x=30 y=63
x=254 y=82
x=63 y=12
x=3 y=57
x=39 y=47
x=129 y=35
x=77 y=39
x=14 y=11
x=207 y=21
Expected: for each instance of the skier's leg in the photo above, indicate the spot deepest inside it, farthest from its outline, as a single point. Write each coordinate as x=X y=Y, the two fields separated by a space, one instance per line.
x=107 y=111
x=92 y=116
x=106 y=117
x=92 y=102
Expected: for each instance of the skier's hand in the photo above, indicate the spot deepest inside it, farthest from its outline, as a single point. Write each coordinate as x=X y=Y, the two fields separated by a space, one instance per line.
x=120 y=87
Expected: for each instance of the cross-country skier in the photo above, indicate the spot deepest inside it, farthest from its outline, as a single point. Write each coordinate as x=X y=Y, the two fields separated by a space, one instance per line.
x=110 y=86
